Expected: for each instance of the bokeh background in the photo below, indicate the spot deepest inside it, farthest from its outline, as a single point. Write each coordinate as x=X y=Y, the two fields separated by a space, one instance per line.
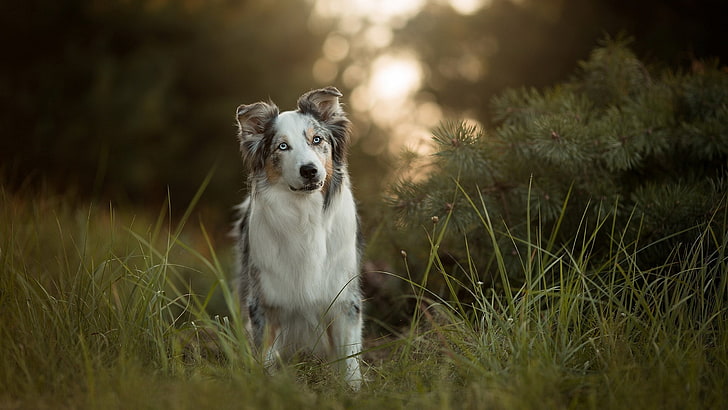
x=128 y=101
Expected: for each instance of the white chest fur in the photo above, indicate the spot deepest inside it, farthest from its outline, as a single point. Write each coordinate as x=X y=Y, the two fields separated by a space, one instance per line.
x=306 y=254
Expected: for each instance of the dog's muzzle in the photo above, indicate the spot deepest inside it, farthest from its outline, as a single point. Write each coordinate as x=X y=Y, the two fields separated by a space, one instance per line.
x=310 y=174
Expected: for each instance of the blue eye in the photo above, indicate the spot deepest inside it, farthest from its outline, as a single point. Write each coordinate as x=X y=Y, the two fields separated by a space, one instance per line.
x=283 y=146
x=316 y=140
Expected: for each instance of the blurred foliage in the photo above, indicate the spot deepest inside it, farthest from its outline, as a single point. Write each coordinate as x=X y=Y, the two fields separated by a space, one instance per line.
x=472 y=57
x=125 y=98
x=645 y=149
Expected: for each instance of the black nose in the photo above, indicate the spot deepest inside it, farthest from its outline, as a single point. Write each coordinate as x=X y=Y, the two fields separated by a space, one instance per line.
x=309 y=171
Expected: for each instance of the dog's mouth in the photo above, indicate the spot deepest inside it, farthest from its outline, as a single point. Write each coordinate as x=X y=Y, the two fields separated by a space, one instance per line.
x=314 y=186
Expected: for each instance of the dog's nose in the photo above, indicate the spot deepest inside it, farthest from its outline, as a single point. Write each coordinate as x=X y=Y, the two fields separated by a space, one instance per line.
x=309 y=171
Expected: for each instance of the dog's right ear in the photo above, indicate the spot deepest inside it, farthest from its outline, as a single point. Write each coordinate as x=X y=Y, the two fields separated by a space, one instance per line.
x=253 y=118
x=252 y=121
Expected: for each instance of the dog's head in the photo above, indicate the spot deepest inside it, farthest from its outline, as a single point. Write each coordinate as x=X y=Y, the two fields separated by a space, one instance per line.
x=302 y=150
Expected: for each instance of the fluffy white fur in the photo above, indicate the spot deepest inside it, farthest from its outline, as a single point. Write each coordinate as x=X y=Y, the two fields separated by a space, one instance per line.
x=298 y=233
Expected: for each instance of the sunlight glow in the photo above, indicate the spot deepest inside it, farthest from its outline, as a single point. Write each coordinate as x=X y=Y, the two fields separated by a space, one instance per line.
x=395 y=77
x=392 y=81
x=388 y=98
x=376 y=11
x=385 y=84
x=468 y=7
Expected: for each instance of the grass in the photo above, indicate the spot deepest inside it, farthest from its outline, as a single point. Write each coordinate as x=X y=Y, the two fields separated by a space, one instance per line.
x=104 y=310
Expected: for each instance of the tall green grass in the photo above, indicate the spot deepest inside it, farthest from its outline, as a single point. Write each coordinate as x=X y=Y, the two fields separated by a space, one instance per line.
x=83 y=295
x=106 y=310
x=605 y=334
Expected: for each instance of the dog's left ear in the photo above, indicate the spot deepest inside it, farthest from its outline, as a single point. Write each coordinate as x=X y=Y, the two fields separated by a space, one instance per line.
x=323 y=103
x=252 y=120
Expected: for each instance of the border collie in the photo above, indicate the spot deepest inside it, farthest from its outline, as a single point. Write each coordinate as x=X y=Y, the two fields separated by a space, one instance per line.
x=298 y=232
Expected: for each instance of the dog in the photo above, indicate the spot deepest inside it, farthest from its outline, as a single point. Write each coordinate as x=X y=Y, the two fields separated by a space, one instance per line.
x=298 y=234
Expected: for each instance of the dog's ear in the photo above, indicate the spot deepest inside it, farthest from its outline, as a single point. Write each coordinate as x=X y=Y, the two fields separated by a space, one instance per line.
x=252 y=118
x=252 y=121
x=324 y=103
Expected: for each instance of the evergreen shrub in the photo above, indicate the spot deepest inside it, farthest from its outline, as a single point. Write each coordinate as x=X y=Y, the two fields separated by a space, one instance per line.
x=639 y=148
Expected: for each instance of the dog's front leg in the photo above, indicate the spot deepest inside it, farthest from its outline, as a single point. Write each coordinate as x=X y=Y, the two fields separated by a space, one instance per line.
x=347 y=330
x=265 y=331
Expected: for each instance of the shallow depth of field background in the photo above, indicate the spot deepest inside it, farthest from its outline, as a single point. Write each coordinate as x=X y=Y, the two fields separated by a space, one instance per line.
x=131 y=101
x=119 y=169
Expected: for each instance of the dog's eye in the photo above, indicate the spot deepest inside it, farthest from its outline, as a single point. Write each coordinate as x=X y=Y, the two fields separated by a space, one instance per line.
x=283 y=146
x=317 y=140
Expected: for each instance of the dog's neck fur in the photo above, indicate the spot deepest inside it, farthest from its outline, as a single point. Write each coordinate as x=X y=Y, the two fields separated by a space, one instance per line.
x=305 y=241
x=283 y=210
